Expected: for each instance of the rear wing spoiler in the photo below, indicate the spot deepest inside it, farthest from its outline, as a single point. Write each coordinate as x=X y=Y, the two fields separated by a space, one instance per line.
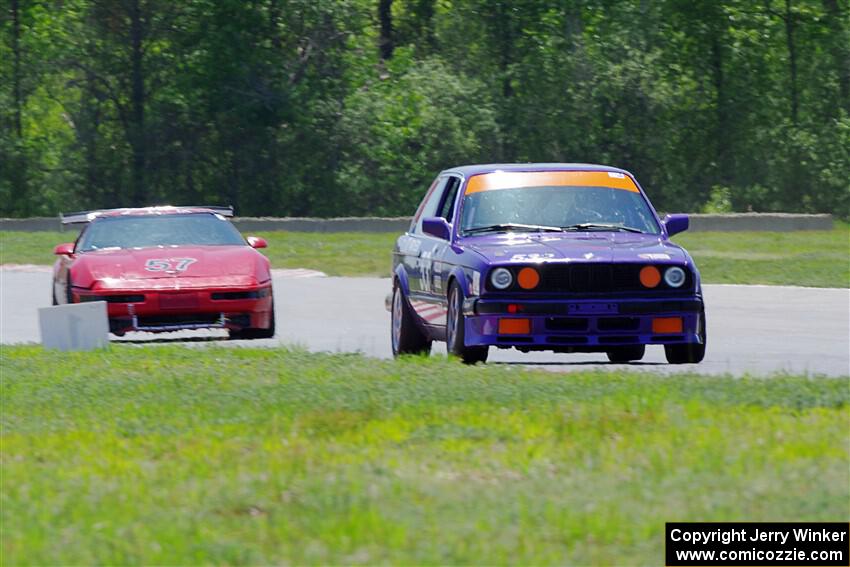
x=82 y=217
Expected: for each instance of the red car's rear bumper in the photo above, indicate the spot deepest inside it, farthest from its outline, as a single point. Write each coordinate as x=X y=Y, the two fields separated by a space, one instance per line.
x=164 y=310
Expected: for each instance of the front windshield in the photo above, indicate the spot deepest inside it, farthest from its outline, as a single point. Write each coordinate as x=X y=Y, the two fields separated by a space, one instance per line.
x=556 y=206
x=140 y=231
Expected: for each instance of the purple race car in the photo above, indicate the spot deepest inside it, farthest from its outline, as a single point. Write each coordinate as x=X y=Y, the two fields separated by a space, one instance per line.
x=560 y=257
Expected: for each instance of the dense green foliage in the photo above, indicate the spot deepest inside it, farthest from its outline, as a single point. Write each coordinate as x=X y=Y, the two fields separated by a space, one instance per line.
x=174 y=455
x=335 y=107
x=812 y=258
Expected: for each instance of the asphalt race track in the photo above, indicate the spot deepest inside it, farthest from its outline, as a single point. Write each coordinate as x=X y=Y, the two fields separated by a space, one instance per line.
x=751 y=329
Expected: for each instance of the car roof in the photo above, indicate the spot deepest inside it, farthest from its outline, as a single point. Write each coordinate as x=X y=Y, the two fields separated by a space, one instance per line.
x=468 y=170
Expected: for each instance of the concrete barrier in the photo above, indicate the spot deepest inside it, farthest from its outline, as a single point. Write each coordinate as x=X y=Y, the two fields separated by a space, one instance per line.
x=34 y=224
x=779 y=222
x=344 y=224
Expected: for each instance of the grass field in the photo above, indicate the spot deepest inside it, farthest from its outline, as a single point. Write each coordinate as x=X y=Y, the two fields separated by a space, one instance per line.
x=340 y=254
x=807 y=258
x=157 y=455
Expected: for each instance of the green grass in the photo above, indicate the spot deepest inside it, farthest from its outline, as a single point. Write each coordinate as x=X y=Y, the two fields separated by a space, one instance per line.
x=31 y=247
x=163 y=455
x=336 y=254
x=806 y=258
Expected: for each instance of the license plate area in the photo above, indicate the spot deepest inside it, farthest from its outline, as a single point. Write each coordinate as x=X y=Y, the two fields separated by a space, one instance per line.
x=179 y=301
x=592 y=309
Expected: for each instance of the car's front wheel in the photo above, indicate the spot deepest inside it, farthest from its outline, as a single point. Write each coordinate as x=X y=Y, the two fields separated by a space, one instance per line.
x=626 y=353
x=252 y=333
x=690 y=353
x=69 y=295
x=407 y=338
x=455 y=331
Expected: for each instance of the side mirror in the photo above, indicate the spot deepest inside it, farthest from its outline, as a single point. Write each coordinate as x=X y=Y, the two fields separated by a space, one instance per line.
x=66 y=249
x=257 y=242
x=676 y=224
x=437 y=226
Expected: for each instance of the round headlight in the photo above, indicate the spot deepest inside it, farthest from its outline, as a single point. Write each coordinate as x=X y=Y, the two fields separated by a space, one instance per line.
x=674 y=277
x=501 y=278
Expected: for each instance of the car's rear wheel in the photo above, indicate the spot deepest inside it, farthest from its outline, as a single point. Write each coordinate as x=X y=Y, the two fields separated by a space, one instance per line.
x=253 y=333
x=626 y=353
x=406 y=337
x=455 y=331
x=690 y=353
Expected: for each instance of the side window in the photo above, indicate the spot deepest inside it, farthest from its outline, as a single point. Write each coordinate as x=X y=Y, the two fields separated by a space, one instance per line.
x=431 y=204
x=447 y=208
x=428 y=194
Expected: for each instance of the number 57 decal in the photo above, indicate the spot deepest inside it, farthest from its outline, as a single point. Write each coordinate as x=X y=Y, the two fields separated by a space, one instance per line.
x=171 y=266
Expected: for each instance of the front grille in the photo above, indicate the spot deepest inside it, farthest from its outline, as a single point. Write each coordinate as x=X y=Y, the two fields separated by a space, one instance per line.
x=594 y=278
x=163 y=320
x=618 y=324
x=590 y=278
x=566 y=324
x=114 y=298
x=230 y=295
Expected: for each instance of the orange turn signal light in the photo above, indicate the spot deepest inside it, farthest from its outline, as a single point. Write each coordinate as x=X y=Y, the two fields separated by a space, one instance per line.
x=663 y=325
x=514 y=326
x=650 y=276
x=528 y=278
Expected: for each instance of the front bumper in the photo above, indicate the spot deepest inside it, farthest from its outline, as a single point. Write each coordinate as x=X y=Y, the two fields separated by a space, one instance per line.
x=581 y=325
x=159 y=311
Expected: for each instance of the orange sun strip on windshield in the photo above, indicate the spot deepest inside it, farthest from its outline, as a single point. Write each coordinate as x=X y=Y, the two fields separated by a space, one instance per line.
x=520 y=179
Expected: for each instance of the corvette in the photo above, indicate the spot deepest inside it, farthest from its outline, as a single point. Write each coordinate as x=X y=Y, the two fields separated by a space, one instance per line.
x=559 y=257
x=162 y=269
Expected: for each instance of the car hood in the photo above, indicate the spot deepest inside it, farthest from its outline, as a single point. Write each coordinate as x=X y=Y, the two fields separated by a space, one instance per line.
x=576 y=246
x=223 y=265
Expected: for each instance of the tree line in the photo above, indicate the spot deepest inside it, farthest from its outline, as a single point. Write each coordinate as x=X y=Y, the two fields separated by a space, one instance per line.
x=350 y=107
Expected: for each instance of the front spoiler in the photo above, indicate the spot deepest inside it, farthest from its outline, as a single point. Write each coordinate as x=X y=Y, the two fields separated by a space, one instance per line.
x=155 y=311
x=581 y=325
x=135 y=326
x=478 y=306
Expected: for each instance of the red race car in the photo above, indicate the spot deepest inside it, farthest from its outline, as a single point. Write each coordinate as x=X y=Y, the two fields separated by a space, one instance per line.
x=163 y=269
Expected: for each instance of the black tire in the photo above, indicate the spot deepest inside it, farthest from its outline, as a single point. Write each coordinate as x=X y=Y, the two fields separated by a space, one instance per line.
x=455 y=330
x=405 y=336
x=626 y=353
x=690 y=353
x=252 y=333
x=69 y=296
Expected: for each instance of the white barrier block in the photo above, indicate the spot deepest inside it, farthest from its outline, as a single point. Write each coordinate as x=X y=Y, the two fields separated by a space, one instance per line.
x=76 y=326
